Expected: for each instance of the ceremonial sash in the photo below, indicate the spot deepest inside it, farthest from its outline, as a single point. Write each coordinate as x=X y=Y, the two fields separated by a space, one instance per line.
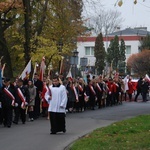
x=117 y=85
x=49 y=90
x=80 y=88
x=92 y=89
x=75 y=92
x=9 y=94
x=21 y=96
x=99 y=88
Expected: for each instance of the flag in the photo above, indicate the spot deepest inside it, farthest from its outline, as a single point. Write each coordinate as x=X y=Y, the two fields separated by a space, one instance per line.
x=147 y=77
x=3 y=68
x=125 y=80
x=69 y=76
x=42 y=69
x=35 y=70
x=26 y=71
x=0 y=77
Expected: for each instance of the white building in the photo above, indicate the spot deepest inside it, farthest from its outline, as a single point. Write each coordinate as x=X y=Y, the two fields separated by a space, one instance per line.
x=131 y=37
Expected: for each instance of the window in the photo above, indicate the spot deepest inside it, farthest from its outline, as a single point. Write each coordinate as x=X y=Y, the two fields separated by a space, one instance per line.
x=89 y=51
x=128 y=49
x=92 y=51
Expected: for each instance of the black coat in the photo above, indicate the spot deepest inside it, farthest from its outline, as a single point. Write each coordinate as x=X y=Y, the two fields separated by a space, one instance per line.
x=25 y=92
x=6 y=100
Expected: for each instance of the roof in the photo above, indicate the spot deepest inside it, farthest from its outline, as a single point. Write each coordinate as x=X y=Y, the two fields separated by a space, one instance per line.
x=130 y=31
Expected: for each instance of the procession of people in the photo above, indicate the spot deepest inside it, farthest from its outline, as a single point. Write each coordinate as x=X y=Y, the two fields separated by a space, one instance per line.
x=54 y=98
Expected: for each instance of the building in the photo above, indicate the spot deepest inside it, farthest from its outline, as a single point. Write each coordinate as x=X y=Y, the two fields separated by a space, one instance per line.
x=132 y=37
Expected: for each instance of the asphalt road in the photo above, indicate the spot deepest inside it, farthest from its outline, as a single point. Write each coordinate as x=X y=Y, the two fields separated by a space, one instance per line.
x=35 y=135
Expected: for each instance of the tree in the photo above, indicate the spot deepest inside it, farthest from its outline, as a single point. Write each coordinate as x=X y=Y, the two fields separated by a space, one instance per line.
x=8 y=15
x=145 y=42
x=139 y=63
x=116 y=55
x=122 y=58
x=99 y=53
x=113 y=53
x=106 y=21
x=37 y=26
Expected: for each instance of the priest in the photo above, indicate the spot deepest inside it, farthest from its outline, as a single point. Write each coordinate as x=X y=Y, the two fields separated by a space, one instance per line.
x=56 y=96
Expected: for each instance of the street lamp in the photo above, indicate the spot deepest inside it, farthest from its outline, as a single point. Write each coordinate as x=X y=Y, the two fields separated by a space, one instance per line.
x=75 y=57
x=59 y=47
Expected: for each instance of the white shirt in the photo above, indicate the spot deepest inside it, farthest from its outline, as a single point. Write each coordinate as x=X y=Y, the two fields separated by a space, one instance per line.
x=58 y=100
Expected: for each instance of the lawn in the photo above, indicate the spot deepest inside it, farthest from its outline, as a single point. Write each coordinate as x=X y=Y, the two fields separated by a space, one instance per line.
x=131 y=134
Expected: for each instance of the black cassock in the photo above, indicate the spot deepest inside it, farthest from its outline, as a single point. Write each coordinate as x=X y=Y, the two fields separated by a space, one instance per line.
x=57 y=121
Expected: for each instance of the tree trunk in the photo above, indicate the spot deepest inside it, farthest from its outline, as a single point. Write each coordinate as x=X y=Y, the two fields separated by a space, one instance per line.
x=27 y=25
x=5 y=53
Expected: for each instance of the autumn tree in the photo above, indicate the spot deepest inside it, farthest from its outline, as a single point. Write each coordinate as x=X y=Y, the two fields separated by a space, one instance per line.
x=139 y=63
x=145 y=42
x=37 y=28
x=8 y=14
x=99 y=53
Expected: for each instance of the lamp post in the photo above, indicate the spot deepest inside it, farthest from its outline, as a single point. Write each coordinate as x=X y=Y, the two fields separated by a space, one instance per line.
x=75 y=57
x=59 y=47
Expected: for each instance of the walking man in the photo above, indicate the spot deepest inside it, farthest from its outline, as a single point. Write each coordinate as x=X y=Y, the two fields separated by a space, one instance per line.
x=56 y=96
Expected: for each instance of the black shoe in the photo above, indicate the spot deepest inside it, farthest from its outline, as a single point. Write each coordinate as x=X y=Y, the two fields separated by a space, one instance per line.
x=15 y=122
x=53 y=133
x=64 y=131
x=23 y=122
x=9 y=126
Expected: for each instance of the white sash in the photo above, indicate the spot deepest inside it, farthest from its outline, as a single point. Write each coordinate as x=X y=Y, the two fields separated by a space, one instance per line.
x=92 y=89
x=75 y=92
x=21 y=96
x=10 y=95
x=99 y=88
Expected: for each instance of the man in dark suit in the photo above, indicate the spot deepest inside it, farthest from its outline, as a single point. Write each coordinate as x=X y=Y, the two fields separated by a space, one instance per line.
x=39 y=87
x=8 y=101
x=21 y=101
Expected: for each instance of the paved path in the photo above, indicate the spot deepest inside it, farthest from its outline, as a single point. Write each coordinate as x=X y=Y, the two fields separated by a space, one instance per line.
x=35 y=135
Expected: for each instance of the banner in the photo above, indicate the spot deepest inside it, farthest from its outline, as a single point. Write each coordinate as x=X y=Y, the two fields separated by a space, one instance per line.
x=69 y=76
x=26 y=71
x=42 y=69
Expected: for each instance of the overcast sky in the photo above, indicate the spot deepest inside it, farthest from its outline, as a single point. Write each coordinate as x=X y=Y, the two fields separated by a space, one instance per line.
x=134 y=15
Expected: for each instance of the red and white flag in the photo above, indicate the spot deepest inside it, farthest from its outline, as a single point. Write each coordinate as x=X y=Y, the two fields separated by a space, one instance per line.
x=69 y=76
x=42 y=69
x=26 y=72
x=147 y=77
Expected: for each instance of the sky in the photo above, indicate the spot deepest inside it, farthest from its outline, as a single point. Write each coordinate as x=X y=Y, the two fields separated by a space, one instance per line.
x=134 y=15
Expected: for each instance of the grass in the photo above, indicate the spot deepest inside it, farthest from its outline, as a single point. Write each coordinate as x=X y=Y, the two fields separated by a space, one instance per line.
x=131 y=134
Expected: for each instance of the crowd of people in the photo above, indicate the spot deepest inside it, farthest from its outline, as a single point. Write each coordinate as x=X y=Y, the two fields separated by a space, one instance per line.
x=34 y=98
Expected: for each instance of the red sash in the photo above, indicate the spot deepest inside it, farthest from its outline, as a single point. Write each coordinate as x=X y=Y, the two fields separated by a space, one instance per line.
x=80 y=88
x=8 y=93
x=99 y=88
x=21 y=96
x=92 y=89
x=75 y=92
